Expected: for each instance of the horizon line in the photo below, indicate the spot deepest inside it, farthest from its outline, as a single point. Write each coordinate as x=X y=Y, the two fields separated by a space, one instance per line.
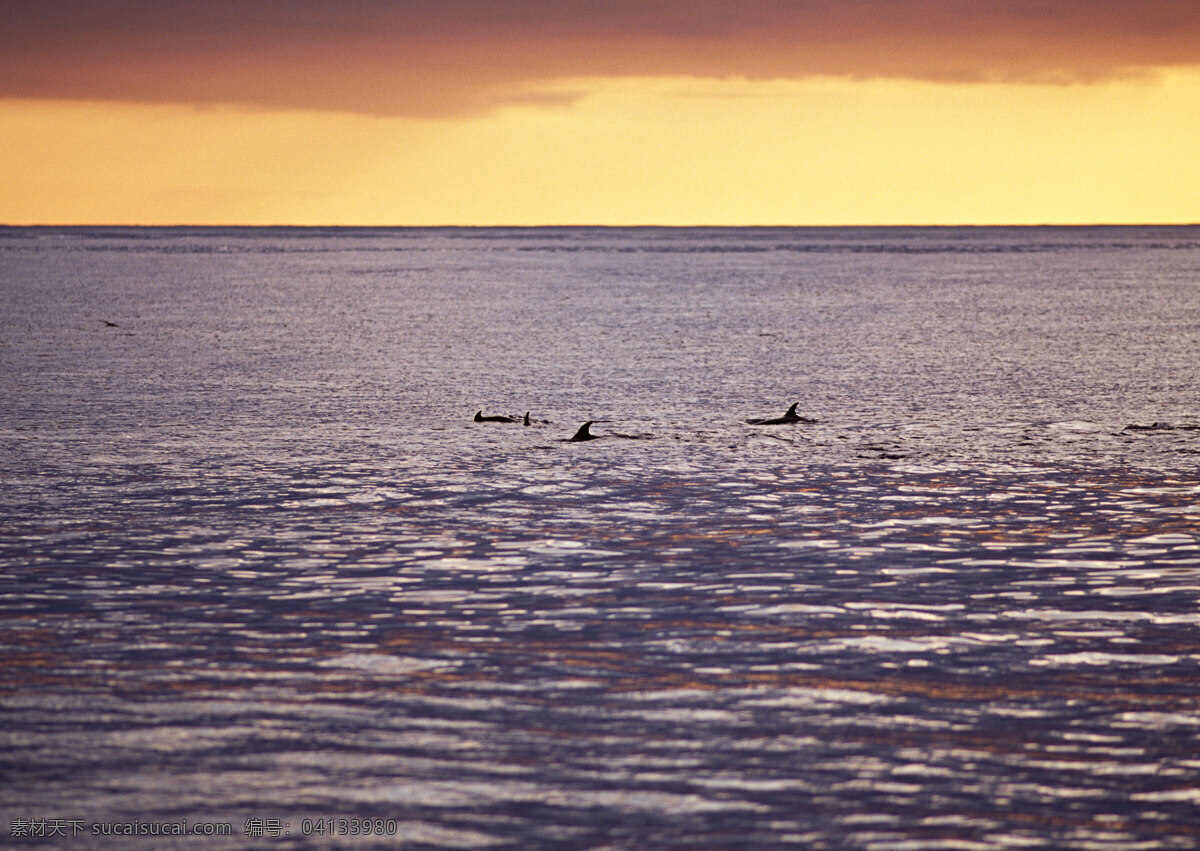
x=595 y=226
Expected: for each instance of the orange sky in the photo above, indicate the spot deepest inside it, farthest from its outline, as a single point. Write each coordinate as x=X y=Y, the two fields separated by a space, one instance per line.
x=599 y=111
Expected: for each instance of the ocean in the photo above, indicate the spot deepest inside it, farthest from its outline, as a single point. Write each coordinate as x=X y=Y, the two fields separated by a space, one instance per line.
x=265 y=581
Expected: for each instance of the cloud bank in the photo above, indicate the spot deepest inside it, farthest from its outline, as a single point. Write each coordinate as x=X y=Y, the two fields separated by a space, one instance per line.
x=438 y=57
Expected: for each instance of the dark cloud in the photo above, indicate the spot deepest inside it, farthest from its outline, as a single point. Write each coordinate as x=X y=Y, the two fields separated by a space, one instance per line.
x=421 y=57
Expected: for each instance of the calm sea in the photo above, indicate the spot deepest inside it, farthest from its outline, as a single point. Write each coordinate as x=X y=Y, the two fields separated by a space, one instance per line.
x=261 y=571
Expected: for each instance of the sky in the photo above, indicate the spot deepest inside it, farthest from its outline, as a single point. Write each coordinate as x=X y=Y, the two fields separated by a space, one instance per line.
x=526 y=112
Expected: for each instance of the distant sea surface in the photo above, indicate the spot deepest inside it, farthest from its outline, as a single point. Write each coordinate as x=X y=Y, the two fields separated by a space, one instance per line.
x=260 y=568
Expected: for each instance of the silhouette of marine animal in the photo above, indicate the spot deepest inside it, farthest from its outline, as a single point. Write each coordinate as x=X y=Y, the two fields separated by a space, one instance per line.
x=480 y=418
x=583 y=433
x=1157 y=426
x=790 y=417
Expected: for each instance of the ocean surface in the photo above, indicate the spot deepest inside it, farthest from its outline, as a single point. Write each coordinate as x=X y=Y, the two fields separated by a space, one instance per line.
x=263 y=577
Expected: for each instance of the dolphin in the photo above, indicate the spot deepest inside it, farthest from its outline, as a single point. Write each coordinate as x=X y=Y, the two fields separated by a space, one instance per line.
x=790 y=417
x=480 y=418
x=583 y=433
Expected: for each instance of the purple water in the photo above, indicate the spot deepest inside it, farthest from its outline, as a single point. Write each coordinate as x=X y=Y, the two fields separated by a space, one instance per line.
x=260 y=568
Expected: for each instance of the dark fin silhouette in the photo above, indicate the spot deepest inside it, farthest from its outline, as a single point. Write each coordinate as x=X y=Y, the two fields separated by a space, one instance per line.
x=111 y=324
x=480 y=418
x=583 y=433
x=526 y=418
x=790 y=417
x=1156 y=426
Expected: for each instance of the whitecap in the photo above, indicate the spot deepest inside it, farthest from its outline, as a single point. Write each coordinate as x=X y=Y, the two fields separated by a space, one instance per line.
x=380 y=663
x=1097 y=658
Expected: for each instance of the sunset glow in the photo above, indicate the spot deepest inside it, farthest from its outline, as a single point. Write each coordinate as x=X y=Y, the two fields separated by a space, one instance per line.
x=578 y=127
